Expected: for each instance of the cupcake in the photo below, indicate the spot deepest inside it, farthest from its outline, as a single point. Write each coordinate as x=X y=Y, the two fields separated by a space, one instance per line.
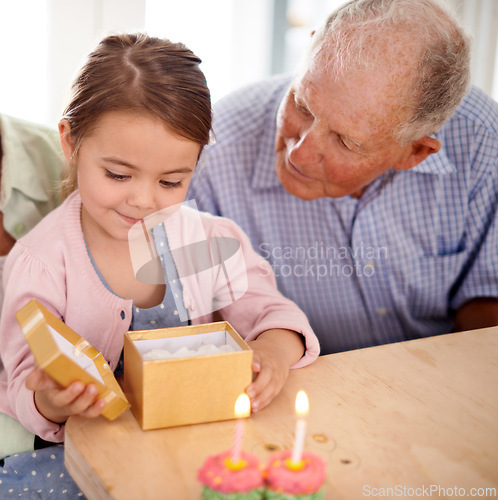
x=223 y=479
x=288 y=481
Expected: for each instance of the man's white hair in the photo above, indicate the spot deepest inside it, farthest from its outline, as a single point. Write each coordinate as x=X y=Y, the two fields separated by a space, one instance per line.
x=359 y=37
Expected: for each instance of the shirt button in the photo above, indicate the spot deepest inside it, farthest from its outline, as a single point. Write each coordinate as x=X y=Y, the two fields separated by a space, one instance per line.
x=123 y=315
x=20 y=229
x=381 y=311
x=369 y=269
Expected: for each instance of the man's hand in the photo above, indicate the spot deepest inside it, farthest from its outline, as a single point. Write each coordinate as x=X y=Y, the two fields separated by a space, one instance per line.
x=477 y=313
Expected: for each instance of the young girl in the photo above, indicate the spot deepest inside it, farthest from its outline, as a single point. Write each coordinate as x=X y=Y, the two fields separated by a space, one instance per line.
x=132 y=134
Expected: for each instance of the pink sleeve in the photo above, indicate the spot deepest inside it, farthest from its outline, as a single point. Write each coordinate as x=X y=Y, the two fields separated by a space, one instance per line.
x=263 y=307
x=25 y=278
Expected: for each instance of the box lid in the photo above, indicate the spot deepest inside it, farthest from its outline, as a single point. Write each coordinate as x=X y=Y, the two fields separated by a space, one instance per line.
x=66 y=357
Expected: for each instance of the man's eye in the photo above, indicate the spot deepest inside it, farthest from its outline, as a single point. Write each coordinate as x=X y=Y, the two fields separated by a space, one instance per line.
x=114 y=176
x=302 y=108
x=341 y=141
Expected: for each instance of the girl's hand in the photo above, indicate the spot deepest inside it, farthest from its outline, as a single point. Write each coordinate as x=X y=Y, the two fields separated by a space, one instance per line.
x=57 y=403
x=275 y=351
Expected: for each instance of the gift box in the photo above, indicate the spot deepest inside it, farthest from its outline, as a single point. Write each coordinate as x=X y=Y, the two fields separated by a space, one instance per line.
x=185 y=390
x=66 y=357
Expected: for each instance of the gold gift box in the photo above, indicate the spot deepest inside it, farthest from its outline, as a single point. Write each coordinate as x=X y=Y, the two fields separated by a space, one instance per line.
x=186 y=390
x=67 y=357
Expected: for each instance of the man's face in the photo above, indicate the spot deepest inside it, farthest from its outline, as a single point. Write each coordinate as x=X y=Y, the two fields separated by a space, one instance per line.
x=335 y=136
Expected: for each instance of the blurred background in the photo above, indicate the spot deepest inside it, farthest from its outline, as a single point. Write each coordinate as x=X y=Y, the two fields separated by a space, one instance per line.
x=44 y=42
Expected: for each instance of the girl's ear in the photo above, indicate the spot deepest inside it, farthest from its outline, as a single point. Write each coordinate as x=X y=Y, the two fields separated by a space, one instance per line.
x=65 y=138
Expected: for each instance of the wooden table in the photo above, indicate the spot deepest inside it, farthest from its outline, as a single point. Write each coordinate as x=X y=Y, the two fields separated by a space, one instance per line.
x=418 y=414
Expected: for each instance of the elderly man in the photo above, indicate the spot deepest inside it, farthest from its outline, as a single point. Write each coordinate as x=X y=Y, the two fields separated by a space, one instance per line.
x=370 y=180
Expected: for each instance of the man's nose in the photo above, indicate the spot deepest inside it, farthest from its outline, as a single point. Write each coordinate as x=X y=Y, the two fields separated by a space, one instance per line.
x=306 y=149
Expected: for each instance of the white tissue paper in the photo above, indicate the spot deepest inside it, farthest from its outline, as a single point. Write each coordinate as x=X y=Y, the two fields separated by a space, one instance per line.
x=184 y=352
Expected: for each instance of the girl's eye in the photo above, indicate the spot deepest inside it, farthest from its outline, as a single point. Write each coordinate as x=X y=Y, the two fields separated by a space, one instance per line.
x=171 y=185
x=114 y=176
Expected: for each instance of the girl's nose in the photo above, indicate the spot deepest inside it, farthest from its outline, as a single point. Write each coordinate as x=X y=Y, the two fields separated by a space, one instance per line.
x=142 y=196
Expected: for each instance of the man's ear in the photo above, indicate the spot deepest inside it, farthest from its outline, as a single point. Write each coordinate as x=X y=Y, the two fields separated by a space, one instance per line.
x=417 y=152
x=65 y=138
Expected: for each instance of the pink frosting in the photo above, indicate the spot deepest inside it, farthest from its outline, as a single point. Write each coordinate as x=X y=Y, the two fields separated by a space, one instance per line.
x=309 y=479
x=216 y=475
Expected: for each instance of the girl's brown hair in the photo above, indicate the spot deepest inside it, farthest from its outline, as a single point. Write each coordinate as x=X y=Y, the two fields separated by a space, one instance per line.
x=139 y=73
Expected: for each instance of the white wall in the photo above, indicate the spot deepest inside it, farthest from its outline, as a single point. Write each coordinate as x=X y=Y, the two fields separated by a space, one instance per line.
x=52 y=38
x=44 y=42
x=24 y=59
x=74 y=28
x=231 y=37
x=480 y=17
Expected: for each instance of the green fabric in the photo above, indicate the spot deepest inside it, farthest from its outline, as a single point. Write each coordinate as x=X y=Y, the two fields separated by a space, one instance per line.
x=14 y=438
x=32 y=165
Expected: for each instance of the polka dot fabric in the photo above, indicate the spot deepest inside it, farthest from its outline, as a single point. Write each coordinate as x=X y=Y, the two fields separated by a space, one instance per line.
x=38 y=474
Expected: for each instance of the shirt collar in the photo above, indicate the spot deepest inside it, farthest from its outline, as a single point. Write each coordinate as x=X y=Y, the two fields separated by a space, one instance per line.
x=265 y=177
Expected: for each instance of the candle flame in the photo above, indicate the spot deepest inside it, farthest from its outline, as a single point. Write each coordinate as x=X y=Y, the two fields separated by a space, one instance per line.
x=302 y=405
x=242 y=406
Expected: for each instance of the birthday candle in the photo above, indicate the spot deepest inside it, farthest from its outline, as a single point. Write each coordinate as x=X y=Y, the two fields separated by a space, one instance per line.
x=301 y=412
x=242 y=409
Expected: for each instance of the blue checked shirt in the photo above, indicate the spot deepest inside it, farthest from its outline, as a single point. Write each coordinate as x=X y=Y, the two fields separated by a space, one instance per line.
x=393 y=265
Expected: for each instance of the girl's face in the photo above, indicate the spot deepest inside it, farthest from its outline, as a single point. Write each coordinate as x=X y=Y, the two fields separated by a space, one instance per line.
x=129 y=167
